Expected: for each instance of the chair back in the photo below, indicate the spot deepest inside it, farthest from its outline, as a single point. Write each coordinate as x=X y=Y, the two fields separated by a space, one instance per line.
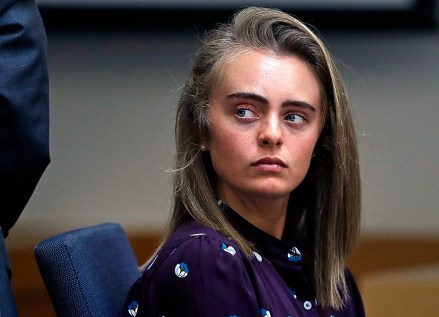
x=88 y=271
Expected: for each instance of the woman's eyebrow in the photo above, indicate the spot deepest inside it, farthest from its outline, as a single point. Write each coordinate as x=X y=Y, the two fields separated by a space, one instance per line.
x=300 y=104
x=247 y=95
x=262 y=99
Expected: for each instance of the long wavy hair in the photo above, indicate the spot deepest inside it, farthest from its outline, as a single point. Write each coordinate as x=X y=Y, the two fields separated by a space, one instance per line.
x=326 y=209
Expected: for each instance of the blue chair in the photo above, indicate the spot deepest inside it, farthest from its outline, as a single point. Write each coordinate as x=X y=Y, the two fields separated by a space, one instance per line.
x=7 y=303
x=88 y=271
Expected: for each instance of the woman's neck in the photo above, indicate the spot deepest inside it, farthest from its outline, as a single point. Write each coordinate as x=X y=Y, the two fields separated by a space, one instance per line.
x=269 y=215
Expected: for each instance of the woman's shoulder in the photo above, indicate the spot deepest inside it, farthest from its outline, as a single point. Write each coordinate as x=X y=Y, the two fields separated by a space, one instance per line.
x=192 y=231
x=194 y=242
x=354 y=305
x=196 y=265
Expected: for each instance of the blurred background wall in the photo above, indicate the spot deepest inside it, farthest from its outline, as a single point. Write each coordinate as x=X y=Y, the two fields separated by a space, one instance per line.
x=113 y=96
x=115 y=75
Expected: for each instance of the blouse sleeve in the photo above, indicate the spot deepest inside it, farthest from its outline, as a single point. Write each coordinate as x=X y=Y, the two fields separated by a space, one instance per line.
x=201 y=277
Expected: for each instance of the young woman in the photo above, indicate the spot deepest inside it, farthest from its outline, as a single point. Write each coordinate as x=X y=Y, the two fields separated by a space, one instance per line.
x=266 y=187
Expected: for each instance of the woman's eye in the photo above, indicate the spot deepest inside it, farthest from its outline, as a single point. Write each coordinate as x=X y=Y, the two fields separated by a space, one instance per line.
x=244 y=113
x=295 y=118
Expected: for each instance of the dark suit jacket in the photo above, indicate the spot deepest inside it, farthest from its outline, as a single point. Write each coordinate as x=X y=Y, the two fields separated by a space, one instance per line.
x=24 y=113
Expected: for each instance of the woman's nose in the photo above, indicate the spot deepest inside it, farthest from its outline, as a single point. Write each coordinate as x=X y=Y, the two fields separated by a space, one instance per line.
x=270 y=133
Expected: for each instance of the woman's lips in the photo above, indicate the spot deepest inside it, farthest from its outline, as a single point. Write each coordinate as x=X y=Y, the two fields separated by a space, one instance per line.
x=270 y=164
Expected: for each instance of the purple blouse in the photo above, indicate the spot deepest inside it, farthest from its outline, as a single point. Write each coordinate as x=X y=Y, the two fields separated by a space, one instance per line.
x=200 y=272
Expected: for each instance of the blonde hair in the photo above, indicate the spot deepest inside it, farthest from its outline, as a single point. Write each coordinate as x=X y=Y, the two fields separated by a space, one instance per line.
x=327 y=214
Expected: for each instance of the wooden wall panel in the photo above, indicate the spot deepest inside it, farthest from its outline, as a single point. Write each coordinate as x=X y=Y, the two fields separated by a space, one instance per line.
x=402 y=293
x=373 y=254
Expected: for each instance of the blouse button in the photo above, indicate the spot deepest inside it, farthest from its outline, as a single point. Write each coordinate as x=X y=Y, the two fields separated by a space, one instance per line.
x=257 y=256
x=307 y=305
x=294 y=255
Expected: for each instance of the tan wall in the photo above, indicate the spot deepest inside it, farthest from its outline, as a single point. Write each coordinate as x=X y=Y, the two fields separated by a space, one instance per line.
x=113 y=98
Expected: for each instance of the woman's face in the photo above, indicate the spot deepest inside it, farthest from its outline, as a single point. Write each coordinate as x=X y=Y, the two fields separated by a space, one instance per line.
x=265 y=118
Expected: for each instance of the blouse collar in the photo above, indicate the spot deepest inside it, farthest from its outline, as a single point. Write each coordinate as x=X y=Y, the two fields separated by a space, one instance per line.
x=285 y=256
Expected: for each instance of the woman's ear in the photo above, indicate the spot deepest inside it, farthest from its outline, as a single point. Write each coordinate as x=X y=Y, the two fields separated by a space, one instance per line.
x=204 y=144
x=204 y=148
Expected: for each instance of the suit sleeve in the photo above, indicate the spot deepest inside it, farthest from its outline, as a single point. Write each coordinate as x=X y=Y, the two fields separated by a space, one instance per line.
x=200 y=278
x=24 y=101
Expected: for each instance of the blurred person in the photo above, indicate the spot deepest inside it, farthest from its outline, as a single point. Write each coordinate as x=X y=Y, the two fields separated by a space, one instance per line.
x=24 y=101
x=266 y=184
